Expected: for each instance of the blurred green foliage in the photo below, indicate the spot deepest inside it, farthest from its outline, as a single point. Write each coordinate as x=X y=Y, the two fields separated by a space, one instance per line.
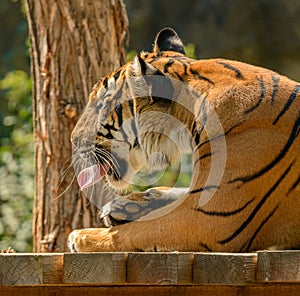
x=130 y=55
x=190 y=50
x=16 y=162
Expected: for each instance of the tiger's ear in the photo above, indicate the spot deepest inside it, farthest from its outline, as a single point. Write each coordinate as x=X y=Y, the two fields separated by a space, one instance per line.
x=134 y=76
x=168 y=40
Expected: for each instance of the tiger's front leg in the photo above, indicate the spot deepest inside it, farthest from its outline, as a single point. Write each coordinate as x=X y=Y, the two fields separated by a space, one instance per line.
x=139 y=204
x=150 y=233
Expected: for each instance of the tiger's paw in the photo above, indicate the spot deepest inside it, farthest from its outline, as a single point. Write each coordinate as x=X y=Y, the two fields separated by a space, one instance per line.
x=139 y=204
x=92 y=240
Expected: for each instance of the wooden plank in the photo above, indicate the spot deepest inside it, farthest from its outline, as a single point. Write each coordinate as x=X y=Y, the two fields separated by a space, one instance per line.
x=30 y=269
x=159 y=268
x=224 y=268
x=157 y=290
x=278 y=266
x=185 y=268
x=94 y=268
x=150 y=268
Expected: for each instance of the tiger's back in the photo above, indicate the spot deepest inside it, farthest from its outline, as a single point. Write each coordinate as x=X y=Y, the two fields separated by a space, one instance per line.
x=257 y=203
x=261 y=122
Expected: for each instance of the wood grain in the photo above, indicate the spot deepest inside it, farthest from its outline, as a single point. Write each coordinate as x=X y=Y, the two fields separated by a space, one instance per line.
x=223 y=268
x=30 y=269
x=159 y=268
x=95 y=268
x=278 y=266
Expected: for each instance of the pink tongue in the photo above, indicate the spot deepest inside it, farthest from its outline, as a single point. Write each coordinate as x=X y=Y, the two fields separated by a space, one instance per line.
x=91 y=175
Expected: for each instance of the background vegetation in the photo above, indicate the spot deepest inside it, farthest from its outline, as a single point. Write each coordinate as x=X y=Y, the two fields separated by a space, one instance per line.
x=262 y=32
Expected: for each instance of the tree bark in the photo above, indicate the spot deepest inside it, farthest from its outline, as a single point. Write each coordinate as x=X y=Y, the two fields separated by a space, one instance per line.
x=73 y=43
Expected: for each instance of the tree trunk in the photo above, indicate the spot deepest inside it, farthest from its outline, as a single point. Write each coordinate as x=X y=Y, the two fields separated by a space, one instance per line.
x=73 y=44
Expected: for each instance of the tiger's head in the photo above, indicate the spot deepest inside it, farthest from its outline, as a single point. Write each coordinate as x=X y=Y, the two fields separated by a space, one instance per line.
x=133 y=119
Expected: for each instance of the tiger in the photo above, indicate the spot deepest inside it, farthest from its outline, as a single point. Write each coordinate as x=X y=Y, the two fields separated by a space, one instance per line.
x=239 y=120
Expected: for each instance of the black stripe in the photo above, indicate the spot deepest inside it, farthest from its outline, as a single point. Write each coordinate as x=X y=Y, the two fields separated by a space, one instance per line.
x=133 y=123
x=119 y=93
x=275 y=87
x=107 y=136
x=226 y=214
x=222 y=135
x=196 y=135
x=99 y=107
x=105 y=82
x=283 y=152
x=295 y=184
x=257 y=208
x=179 y=76
x=168 y=65
x=109 y=127
x=238 y=73
x=119 y=111
x=131 y=107
x=262 y=95
x=209 y=154
x=202 y=116
x=205 y=142
x=142 y=65
x=206 y=247
x=185 y=69
x=288 y=103
x=198 y=76
x=117 y=74
x=203 y=189
x=194 y=127
x=259 y=228
x=204 y=156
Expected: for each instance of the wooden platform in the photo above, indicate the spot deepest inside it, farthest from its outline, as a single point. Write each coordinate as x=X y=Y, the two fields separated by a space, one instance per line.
x=261 y=273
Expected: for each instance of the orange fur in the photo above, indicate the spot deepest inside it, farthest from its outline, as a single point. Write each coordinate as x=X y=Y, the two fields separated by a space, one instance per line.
x=257 y=203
